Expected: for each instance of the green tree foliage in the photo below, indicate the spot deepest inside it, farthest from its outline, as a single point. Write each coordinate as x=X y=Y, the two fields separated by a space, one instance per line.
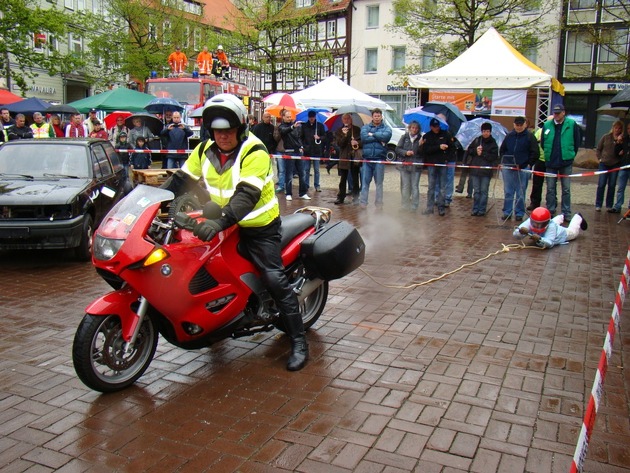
x=133 y=38
x=23 y=54
x=449 y=27
x=275 y=38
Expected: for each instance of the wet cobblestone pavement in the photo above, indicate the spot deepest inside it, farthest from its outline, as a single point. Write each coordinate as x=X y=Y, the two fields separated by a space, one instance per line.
x=486 y=370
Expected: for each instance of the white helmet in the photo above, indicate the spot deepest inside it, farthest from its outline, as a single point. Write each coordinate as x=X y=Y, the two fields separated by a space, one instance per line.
x=220 y=48
x=224 y=111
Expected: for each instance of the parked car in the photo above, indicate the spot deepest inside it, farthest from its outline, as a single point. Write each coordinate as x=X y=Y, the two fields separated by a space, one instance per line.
x=54 y=192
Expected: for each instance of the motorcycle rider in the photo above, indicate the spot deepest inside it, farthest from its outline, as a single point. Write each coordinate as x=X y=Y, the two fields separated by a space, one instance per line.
x=238 y=174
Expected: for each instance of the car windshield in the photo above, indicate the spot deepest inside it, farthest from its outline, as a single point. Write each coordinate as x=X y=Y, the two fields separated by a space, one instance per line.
x=183 y=92
x=44 y=160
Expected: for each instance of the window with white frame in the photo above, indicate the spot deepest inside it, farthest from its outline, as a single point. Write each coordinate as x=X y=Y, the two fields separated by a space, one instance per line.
x=427 y=61
x=372 y=16
x=303 y=3
x=80 y=5
x=75 y=44
x=371 y=60
x=196 y=39
x=582 y=4
x=186 y=38
x=531 y=54
x=614 y=45
x=152 y=32
x=398 y=57
x=579 y=50
x=331 y=29
x=69 y=4
x=166 y=32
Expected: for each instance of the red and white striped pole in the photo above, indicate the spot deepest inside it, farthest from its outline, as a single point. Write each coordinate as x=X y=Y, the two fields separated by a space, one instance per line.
x=598 y=384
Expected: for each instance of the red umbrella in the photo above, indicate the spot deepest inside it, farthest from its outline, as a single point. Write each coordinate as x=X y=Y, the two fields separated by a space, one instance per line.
x=7 y=97
x=110 y=120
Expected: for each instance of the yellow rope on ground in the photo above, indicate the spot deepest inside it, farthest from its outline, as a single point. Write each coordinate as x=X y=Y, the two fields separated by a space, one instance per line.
x=505 y=249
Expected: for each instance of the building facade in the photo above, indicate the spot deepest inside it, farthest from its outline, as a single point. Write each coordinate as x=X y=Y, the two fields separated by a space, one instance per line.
x=594 y=65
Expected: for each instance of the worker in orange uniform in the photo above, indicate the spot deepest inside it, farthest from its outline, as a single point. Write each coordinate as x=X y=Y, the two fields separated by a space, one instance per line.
x=178 y=61
x=204 y=62
x=224 y=64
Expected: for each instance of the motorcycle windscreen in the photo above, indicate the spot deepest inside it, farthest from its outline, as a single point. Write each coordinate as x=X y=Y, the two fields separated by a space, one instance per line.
x=121 y=219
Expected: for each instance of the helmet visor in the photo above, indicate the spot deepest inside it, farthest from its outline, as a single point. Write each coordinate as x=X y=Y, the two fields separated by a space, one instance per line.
x=539 y=227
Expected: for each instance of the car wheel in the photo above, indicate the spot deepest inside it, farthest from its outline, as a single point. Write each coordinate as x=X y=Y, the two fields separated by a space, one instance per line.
x=391 y=153
x=83 y=252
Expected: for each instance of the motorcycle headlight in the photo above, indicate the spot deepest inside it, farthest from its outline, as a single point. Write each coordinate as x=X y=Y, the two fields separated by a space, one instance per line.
x=106 y=248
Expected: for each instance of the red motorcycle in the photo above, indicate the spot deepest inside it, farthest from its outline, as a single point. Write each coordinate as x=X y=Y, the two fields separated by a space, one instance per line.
x=194 y=293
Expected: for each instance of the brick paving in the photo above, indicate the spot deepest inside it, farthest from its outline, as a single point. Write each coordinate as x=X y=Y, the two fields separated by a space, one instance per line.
x=486 y=370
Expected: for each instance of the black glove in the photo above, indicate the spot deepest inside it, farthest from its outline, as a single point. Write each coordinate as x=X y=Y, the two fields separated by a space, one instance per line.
x=207 y=229
x=535 y=237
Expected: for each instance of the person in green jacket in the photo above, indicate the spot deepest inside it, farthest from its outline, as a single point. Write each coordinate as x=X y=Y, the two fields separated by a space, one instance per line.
x=560 y=140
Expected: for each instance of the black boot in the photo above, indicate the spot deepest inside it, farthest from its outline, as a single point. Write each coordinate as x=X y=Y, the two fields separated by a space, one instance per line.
x=299 y=354
x=294 y=328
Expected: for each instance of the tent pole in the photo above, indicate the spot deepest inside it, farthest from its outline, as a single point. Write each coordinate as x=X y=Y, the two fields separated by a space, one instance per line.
x=543 y=99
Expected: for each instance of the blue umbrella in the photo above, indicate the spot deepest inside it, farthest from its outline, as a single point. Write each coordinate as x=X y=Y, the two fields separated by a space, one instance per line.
x=28 y=106
x=163 y=104
x=423 y=118
x=321 y=115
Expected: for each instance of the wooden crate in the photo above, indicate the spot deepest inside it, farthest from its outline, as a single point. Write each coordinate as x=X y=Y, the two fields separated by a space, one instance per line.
x=151 y=177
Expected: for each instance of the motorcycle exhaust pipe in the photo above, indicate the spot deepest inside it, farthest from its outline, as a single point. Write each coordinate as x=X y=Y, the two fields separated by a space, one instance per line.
x=307 y=288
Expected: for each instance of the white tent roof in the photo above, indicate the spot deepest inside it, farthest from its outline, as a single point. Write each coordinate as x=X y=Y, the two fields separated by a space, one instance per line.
x=332 y=92
x=490 y=63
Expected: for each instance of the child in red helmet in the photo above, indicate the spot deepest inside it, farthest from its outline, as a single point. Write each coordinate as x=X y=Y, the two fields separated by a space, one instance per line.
x=546 y=232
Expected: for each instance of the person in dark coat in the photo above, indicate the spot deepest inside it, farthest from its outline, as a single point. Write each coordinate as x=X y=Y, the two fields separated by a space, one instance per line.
x=483 y=151
x=347 y=140
x=176 y=134
x=313 y=139
x=436 y=149
x=519 y=151
x=264 y=131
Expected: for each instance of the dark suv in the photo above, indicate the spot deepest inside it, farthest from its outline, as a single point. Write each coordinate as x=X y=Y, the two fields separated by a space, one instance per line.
x=54 y=192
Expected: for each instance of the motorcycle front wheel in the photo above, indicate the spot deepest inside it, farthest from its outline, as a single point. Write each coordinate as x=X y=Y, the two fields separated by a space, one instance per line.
x=98 y=353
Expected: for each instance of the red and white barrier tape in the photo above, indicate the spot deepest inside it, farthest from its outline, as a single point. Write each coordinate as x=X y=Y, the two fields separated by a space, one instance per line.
x=335 y=160
x=598 y=384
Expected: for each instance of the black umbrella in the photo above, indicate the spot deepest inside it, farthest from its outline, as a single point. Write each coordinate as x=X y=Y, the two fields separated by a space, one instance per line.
x=454 y=117
x=622 y=99
x=152 y=122
x=62 y=108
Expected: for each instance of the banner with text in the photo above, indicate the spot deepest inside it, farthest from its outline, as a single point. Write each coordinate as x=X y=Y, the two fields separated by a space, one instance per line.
x=507 y=103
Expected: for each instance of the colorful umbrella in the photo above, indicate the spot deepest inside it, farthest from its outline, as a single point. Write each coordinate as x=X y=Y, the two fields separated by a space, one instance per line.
x=360 y=116
x=281 y=98
x=276 y=110
x=321 y=115
x=423 y=118
x=110 y=120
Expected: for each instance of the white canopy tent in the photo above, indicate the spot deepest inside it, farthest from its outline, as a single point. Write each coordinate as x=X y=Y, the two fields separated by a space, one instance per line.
x=491 y=63
x=332 y=92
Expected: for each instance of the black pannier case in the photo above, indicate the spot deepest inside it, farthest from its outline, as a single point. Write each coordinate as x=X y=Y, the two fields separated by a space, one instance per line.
x=333 y=251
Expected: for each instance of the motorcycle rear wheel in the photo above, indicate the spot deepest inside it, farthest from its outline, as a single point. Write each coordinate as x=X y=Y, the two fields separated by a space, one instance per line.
x=98 y=353
x=311 y=308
